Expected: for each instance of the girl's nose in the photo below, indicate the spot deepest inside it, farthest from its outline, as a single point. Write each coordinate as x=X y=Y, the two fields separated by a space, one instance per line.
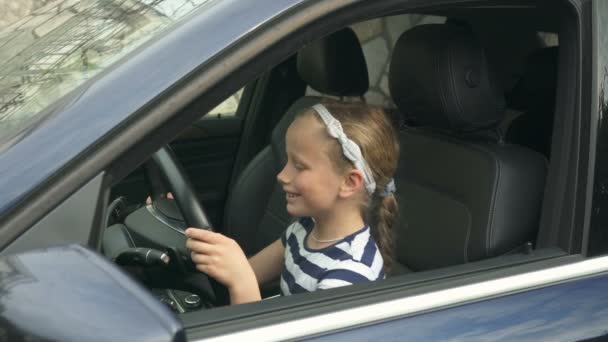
x=282 y=176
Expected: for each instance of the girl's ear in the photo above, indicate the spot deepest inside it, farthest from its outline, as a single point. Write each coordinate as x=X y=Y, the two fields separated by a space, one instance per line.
x=352 y=184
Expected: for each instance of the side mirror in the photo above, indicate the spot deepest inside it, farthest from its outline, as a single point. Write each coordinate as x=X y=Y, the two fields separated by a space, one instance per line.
x=70 y=293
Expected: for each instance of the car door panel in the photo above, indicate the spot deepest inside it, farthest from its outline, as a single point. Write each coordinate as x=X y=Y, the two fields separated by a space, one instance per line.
x=570 y=311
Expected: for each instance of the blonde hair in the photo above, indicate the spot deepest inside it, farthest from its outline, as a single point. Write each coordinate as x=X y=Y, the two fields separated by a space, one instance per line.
x=371 y=129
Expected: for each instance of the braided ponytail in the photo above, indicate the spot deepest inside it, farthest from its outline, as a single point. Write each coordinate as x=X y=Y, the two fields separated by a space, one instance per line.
x=383 y=215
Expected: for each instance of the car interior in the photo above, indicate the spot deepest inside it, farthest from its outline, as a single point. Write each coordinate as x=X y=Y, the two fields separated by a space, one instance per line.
x=474 y=107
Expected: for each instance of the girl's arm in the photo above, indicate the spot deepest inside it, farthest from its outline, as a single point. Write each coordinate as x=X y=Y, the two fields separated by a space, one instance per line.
x=268 y=263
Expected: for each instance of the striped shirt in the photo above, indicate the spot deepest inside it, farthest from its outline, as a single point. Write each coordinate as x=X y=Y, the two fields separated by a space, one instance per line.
x=353 y=259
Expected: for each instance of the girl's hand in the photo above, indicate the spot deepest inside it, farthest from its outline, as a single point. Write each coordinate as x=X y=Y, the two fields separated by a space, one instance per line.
x=149 y=199
x=223 y=259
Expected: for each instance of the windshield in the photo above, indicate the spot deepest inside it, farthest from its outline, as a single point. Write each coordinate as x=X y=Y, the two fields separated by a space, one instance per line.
x=62 y=43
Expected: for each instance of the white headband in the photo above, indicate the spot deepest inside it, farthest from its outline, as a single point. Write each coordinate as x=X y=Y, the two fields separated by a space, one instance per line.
x=351 y=150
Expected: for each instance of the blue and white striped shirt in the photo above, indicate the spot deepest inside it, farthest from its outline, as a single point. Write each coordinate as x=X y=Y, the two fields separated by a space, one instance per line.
x=354 y=259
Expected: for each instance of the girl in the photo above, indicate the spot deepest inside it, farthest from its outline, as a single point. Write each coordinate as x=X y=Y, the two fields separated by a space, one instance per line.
x=337 y=180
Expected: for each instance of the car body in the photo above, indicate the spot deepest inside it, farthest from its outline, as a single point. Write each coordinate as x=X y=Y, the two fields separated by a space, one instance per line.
x=63 y=165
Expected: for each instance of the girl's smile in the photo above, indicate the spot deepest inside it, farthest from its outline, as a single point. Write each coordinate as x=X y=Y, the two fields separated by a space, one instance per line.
x=291 y=195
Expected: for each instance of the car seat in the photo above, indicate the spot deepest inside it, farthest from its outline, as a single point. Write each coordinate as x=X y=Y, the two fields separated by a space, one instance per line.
x=463 y=194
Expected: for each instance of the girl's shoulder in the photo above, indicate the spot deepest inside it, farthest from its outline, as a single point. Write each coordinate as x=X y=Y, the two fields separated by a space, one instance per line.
x=361 y=246
x=301 y=223
x=300 y=226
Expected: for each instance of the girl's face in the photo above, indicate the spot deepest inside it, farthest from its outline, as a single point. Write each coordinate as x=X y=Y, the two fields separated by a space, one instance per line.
x=309 y=179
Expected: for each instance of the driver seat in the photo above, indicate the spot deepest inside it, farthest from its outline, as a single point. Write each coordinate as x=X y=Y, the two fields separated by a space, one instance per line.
x=255 y=213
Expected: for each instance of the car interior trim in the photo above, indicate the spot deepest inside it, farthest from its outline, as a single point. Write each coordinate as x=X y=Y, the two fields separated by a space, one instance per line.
x=321 y=324
x=590 y=123
x=57 y=228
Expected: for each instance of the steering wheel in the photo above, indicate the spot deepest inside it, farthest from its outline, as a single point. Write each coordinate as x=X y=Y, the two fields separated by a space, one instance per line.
x=194 y=215
x=182 y=189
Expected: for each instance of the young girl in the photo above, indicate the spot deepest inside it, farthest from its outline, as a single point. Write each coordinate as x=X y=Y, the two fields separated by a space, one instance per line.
x=338 y=181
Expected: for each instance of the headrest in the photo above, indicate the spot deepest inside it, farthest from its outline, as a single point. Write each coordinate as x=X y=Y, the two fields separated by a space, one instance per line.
x=538 y=83
x=335 y=65
x=439 y=77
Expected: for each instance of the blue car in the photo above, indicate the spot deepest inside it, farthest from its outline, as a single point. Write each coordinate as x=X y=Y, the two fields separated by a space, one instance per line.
x=106 y=106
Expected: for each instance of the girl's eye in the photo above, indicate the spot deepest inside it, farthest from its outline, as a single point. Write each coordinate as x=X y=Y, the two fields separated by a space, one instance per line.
x=298 y=166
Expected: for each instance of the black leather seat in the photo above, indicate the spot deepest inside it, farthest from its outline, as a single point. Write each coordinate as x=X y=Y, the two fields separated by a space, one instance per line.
x=534 y=96
x=463 y=195
x=255 y=214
